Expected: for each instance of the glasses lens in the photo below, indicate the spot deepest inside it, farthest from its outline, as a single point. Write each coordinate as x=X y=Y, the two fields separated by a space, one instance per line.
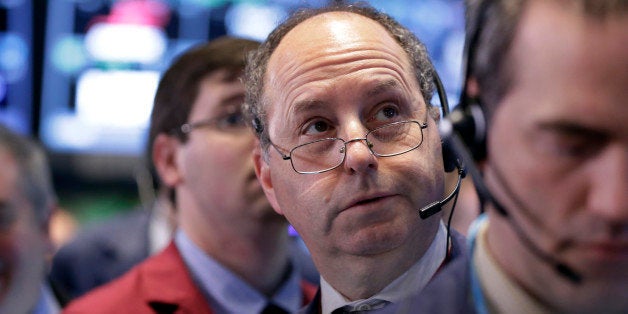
x=395 y=138
x=318 y=156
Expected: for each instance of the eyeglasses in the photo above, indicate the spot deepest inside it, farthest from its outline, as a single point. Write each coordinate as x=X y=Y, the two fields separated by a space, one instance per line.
x=327 y=154
x=232 y=122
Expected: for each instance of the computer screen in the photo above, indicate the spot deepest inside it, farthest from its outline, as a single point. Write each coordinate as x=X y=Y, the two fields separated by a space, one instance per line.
x=103 y=61
x=16 y=73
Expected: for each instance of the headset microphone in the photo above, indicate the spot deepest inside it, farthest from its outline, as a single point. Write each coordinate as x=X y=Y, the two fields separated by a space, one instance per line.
x=451 y=161
x=437 y=206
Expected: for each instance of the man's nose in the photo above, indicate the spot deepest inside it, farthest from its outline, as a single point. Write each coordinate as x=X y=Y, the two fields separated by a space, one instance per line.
x=609 y=185
x=358 y=156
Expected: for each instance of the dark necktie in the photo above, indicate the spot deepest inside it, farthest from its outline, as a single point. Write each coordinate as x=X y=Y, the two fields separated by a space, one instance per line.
x=273 y=309
x=365 y=307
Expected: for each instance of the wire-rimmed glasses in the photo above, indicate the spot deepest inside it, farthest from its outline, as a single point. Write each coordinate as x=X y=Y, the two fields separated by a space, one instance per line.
x=231 y=122
x=326 y=154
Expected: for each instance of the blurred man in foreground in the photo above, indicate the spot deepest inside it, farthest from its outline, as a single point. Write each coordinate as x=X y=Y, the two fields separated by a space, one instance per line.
x=27 y=200
x=551 y=78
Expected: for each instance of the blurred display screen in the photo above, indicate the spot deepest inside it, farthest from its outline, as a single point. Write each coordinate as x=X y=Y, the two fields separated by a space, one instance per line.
x=103 y=59
x=16 y=106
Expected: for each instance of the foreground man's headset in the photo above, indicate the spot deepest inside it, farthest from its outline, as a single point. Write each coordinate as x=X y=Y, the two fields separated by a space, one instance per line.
x=464 y=132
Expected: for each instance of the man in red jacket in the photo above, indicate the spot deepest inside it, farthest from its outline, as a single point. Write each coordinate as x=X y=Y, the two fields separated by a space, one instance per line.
x=230 y=252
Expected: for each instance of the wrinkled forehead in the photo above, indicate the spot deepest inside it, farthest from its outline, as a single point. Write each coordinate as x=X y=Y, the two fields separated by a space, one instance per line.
x=329 y=45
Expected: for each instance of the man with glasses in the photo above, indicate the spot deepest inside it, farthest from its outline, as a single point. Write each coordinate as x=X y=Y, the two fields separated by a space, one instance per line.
x=231 y=252
x=350 y=152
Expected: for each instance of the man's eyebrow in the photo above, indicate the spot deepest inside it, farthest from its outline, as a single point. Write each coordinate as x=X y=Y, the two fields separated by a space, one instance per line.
x=383 y=87
x=568 y=127
x=314 y=104
x=230 y=105
x=232 y=100
x=307 y=105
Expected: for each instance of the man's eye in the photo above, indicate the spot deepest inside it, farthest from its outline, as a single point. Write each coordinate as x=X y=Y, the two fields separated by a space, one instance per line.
x=577 y=148
x=233 y=120
x=571 y=146
x=386 y=113
x=317 y=127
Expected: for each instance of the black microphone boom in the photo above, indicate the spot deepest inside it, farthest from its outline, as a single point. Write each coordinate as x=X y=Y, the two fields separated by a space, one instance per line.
x=437 y=206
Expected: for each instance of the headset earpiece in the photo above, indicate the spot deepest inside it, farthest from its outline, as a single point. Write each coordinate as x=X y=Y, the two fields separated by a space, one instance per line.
x=450 y=159
x=469 y=121
x=257 y=125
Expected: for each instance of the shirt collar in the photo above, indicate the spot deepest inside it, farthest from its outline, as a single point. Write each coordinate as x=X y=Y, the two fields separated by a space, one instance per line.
x=47 y=303
x=159 y=229
x=407 y=285
x=225 y=291
x=501 y=293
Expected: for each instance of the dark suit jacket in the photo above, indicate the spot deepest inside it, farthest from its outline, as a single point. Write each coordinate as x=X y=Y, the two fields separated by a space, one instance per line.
x=458 y=255
x=160 y=284
x=449 y=292
x=101 y=252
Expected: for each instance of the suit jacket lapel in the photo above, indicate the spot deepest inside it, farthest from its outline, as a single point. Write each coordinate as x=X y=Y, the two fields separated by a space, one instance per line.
x=176 y=293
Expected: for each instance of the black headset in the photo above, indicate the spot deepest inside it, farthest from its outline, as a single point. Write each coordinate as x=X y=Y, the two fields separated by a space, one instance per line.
x=450 y=160
x=469 y=118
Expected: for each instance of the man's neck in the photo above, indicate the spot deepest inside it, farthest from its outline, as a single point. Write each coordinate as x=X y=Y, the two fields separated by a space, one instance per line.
x=505 y=289
x=259 y=255
x=361 y=277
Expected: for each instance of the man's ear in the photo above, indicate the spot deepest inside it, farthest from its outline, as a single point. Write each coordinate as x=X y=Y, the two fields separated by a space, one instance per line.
x=58 y=228
x=262 y=171
x=164 y=156
x=434 y=112
x=473 y=87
